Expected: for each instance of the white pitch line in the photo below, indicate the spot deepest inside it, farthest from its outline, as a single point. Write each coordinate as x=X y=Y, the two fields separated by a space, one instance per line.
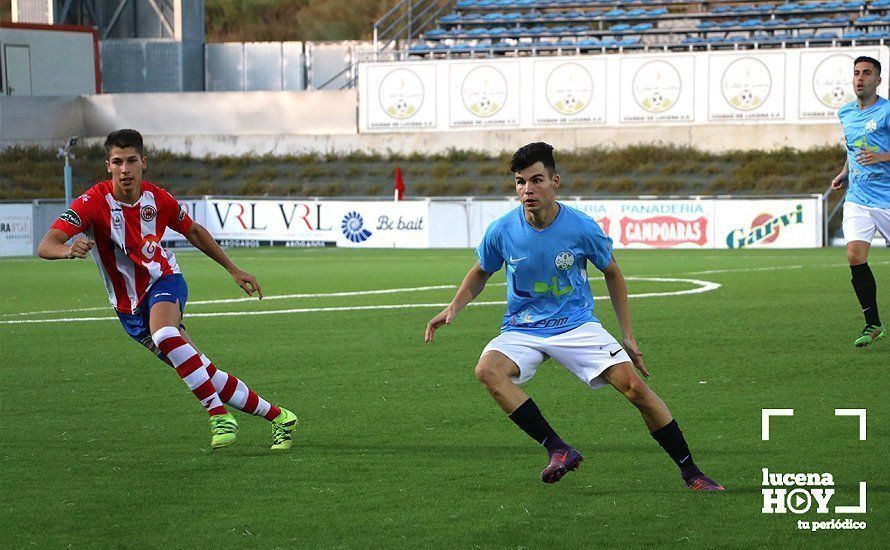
x=704 y=286
x=253 y=299
x=744 y=270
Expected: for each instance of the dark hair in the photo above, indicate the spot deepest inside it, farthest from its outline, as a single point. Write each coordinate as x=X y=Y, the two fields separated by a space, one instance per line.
x=529 y=154
x=867 y=59
x=123 y=139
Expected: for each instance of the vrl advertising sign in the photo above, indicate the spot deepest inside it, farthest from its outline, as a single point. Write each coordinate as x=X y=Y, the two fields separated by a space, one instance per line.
x=271 y=220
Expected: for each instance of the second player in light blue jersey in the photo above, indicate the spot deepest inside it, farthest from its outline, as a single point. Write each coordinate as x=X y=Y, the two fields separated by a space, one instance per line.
x=548 y=248
x=866 y=123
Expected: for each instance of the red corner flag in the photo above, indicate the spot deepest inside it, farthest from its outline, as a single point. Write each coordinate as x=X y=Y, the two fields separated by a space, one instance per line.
x=400 y=185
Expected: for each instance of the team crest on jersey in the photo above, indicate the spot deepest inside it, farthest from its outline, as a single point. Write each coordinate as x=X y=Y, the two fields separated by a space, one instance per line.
x=149 y=212
x=565 y=260
x=117 y=220
x=871 y=125
x=71 y=217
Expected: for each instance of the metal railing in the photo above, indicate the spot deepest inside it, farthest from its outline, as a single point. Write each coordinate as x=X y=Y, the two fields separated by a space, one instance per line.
x=405 y=21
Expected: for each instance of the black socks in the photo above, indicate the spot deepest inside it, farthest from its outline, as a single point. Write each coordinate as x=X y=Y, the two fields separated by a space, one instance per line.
x=528 y=417
x=866 y=290
x=672 y=441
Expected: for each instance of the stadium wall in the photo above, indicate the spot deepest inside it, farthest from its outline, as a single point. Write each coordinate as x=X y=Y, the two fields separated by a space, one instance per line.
x=428 y=107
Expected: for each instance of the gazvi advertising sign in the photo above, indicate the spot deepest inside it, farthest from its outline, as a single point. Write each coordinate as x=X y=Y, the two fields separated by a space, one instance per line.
x=780 y=223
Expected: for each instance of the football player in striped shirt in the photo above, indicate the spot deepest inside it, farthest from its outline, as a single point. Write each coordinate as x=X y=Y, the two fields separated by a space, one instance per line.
x=123 y=220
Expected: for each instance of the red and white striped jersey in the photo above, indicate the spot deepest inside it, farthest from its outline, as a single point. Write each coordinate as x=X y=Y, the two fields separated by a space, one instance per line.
x=128 y=249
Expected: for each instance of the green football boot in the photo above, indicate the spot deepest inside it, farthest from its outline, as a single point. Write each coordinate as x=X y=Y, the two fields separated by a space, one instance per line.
x=282 y=428
x=223 y=427
x=870 y=334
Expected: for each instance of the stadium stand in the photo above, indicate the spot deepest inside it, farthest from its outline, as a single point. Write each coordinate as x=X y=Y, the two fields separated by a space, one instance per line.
x=524 y=27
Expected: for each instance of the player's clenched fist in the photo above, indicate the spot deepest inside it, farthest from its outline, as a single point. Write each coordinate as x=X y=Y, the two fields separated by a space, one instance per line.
x=79 y=248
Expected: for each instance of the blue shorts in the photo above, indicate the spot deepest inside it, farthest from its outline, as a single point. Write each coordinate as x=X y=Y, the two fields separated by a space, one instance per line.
x=168 y=288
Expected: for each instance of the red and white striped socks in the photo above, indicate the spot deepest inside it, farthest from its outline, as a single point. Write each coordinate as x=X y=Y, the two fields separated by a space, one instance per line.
x=236 y=394
x=190 y=368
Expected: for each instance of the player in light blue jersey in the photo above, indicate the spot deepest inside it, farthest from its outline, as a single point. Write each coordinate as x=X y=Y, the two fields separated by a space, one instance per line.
x=866 y=123
x=547 y=248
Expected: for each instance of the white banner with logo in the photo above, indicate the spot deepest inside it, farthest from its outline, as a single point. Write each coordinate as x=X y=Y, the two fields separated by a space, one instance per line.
x=383 y=224
x=657 y=89
x=16 y=229
x=398 y=96
x=800 y=85
x=746 y=87
x=483 y=93
x=826 y=81
x=294 y=222
x=654 y=223
x=779 y=223
x=569 y=91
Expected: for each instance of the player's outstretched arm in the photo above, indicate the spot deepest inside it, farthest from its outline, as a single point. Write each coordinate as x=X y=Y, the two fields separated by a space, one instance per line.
x=841 y=178
x=618 y=295
x=470 y=287
x=204 y=241
x=54 y=247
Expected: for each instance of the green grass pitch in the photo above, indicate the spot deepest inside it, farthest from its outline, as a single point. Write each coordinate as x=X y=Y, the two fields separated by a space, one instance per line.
x=102 y=445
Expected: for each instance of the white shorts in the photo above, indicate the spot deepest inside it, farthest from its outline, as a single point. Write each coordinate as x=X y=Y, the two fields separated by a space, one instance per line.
x=586 y=351
x=861 y=222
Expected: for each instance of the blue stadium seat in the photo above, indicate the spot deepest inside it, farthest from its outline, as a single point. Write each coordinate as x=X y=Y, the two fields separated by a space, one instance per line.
x=657 y=11
x=629 y=41
x=435 y=33
x=579 y=29
x=867 y=19
x=791 y=6
x=620 y=27
x=750 y=23
x=642 y=27
x=853 y=35
x=611 y=14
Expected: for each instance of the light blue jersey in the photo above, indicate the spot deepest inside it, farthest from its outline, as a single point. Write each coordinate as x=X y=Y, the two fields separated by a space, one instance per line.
x=867 y=129
x=547 y=288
